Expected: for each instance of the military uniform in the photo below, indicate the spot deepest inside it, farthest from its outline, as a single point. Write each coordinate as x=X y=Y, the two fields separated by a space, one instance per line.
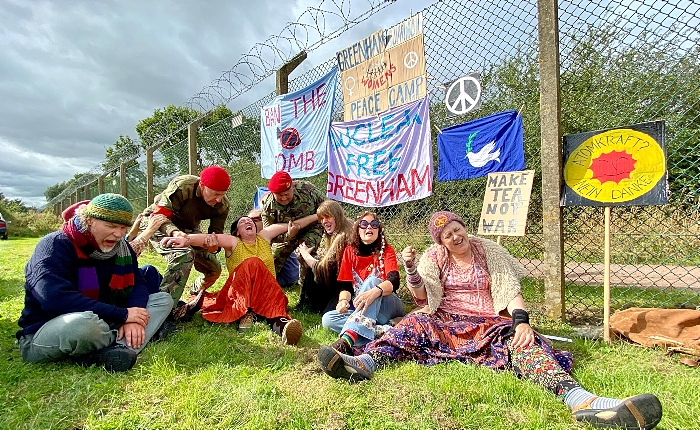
x=304 y=203
x=183 y=203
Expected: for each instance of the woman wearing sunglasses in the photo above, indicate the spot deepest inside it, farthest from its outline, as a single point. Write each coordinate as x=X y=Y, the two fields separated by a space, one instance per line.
x=320 y=291
x=370 y=270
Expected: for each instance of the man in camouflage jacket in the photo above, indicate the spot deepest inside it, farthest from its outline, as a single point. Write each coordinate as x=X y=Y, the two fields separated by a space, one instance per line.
x=186 y=201
x=290 y=201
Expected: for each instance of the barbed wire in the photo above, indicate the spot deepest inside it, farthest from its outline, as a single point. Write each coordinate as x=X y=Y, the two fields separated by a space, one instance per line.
x=313 y=28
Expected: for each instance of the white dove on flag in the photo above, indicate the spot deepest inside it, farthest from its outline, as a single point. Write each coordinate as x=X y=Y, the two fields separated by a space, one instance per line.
x=479 y=159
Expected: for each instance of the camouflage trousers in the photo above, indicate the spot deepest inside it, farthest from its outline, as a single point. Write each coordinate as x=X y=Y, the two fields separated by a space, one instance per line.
x=282 y=250
x=180 y=262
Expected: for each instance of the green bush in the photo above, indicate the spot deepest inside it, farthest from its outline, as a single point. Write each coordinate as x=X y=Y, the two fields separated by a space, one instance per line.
x=31 y=223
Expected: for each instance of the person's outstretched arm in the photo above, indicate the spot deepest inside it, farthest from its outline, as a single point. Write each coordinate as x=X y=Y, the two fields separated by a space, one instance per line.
x=210 y=241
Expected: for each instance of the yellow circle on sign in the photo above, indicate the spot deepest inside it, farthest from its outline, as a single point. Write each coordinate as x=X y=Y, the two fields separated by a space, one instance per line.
x=615 y=166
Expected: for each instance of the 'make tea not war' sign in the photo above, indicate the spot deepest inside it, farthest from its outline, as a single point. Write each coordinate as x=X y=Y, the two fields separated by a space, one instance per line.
x=506 y=203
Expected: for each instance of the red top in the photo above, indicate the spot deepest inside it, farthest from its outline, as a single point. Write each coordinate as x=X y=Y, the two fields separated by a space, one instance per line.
x=366 y=266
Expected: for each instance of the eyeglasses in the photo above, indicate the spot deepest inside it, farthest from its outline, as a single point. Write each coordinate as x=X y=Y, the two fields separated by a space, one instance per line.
x=256 y=218
x=364 y=224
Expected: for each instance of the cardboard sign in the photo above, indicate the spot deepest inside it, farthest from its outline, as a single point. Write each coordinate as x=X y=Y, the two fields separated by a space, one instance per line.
x=506 y=203
x=384 y=70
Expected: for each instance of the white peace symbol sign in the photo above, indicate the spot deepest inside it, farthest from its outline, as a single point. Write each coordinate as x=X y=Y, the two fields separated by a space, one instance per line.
x=410 y=60
x=464 y=102
x=350 y=87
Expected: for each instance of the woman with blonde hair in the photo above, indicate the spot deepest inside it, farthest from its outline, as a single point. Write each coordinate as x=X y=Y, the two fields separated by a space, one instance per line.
x=320 y=291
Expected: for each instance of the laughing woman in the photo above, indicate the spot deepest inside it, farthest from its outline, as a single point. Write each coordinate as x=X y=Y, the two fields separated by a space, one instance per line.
x=251 y=288
x=369 y=264
x=320 y=291
x=474 y=313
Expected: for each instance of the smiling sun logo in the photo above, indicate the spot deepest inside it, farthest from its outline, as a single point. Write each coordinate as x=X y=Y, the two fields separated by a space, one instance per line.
x=615 y=166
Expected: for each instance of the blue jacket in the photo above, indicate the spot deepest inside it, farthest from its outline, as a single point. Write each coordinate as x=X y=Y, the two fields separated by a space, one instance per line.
x=51 y=287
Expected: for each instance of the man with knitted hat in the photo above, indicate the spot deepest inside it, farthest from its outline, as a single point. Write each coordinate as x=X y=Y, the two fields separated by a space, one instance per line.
x=186 y=201
x=289 y=202
x=85 y=296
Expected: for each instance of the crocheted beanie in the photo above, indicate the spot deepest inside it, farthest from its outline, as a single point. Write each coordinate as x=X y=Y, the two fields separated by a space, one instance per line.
x=111 y=208
x=279 y=182
x=215 y=177
x=438 y=222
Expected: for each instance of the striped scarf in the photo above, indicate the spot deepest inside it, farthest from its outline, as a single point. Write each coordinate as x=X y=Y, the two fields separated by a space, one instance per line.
x=123 y=276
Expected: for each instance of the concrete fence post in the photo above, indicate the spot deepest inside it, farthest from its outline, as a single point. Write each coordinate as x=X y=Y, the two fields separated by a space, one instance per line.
x=550 y=153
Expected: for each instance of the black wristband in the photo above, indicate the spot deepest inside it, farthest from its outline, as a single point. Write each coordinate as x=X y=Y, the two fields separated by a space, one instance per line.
x=520 y=316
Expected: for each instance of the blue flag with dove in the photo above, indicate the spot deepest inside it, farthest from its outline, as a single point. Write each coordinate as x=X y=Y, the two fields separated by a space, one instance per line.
x=485 y=145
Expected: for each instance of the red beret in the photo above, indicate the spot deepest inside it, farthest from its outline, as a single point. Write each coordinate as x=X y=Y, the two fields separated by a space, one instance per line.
x=215 y=177
x=70 y=210
x=280 y=182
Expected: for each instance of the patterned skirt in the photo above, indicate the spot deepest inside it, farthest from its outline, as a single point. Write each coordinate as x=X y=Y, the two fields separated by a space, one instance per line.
x=483 y=340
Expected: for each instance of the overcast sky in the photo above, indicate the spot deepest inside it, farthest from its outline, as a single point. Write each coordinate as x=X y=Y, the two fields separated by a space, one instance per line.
x=74 y=75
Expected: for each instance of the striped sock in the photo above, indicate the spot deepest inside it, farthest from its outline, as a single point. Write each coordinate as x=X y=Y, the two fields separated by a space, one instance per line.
x=350 y=337
x=578 y=396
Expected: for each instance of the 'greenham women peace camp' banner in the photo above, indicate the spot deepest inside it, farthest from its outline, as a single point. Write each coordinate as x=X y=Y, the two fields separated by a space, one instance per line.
x=382 y=160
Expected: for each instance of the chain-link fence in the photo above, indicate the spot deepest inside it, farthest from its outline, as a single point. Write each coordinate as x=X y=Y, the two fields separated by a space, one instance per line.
x=622 y=62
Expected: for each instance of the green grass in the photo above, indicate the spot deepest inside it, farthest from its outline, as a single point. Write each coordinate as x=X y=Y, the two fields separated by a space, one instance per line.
x=211 y=377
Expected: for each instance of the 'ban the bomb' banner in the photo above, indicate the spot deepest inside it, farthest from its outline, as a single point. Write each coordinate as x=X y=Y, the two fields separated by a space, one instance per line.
x=294 y=130
x=617 y=167
x=382 y=160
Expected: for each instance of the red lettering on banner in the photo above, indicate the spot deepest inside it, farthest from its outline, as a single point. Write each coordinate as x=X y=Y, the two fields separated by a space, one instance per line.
x=363 y=192
x=420 y=179
x=374 y=83
x=302 y=161
x=310 y=102
x=273 y=116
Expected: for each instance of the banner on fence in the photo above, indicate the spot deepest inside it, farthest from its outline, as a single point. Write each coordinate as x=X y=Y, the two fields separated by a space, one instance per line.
x=294 y=130
x=385 y=70
x=485 y=145
x=382 y=160
x=623 y=166
x=506 y=203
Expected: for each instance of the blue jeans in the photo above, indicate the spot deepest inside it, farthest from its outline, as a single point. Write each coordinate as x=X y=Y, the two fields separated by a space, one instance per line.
x=380 y=311
x=79 y=333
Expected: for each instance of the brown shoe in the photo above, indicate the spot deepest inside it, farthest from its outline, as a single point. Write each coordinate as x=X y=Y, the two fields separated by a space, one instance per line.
x=342 y=346
x=291 y=332
x=246 y=321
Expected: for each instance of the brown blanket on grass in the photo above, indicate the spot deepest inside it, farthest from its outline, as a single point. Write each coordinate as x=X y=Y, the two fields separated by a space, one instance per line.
x=678 y=329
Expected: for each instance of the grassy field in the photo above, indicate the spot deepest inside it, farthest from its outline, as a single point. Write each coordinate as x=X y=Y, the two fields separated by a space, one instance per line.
x=211 y=377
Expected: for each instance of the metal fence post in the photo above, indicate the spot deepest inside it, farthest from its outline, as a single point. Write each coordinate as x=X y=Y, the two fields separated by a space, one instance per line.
x=550 y=153
x=149 y=175
x=122 y=180
x=101 y=184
